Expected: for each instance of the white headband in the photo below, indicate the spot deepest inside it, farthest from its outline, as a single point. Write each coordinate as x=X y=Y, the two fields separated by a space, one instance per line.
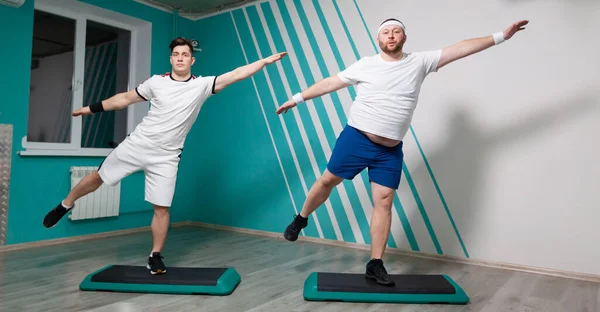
x=389 y=23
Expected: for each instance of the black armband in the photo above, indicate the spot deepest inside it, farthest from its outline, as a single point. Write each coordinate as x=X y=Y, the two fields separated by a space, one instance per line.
x=97 y=107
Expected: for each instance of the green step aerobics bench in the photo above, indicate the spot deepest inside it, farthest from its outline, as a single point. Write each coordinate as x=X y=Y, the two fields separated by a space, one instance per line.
x=189 y=281
x=423 y=289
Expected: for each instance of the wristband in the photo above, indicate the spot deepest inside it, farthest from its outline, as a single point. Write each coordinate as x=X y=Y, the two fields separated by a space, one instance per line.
x=498 y=37
x=298 y=98
x=96 y=107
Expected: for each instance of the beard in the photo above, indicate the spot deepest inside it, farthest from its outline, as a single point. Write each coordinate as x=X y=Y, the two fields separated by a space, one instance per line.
x=395 y=49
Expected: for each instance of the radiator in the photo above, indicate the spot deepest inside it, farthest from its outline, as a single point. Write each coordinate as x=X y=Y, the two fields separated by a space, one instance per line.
x=102 y=203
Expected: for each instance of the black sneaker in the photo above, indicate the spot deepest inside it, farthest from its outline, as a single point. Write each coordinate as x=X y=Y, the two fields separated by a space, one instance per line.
x=292 y=231
x=376 y=271
x=155 y=264
x=55 y=215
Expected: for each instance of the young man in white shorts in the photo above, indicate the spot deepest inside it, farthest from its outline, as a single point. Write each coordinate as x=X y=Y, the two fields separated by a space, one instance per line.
x=388 y=86
x=156 y=144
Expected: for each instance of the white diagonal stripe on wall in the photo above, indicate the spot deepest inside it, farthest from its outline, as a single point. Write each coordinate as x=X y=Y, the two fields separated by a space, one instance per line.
x=340 y=40
x=287 y=184
x=318 y=126
x=356 y=28
x=309 y=151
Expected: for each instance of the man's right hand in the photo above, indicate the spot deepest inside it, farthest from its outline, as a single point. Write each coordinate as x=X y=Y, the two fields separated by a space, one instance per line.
x=82 y=111
x=286 y=106
x=320 y=88
x=274 y=58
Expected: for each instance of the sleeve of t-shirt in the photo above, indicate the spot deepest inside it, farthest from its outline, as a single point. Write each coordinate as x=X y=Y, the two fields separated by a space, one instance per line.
x=144 y=90
x=430 y=60
x=207 y=87
x=352 y=74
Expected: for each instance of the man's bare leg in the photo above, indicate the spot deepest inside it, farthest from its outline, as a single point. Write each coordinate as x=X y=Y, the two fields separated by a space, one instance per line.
x=381 y=221
x=159 y=227
x=318 y=194
x=88 y=184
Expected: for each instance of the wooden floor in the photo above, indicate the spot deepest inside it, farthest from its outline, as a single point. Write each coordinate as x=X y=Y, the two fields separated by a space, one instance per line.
x=273 y=272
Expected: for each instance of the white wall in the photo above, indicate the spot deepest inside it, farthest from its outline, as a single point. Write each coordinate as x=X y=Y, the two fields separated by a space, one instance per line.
x=510 y=132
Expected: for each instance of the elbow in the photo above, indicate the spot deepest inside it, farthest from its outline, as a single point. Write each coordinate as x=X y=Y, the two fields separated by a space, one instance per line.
x=334 y=83
x=326 y=84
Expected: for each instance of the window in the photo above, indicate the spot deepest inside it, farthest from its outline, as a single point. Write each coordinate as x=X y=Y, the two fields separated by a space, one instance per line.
x=82 y=55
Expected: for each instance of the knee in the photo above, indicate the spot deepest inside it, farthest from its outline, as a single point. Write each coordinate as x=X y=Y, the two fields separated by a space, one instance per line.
x=95 y=176
x=160 y=211
x=385 y=202
x=329 y=180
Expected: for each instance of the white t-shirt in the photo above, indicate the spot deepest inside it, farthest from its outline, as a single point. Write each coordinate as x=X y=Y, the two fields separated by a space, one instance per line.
x=174 y=107
x=387 y=92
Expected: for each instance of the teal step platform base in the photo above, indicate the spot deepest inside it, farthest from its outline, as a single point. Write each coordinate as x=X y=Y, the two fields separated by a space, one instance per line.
x=189 y=281
x=419 y=289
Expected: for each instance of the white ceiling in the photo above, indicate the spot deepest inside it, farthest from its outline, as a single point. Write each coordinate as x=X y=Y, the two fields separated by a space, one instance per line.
x=195 y=8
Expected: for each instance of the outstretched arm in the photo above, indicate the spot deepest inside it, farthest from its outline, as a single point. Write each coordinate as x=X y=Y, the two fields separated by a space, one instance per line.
x=116 y=102
x=320 y=88
x=471 y=46
x=244 y=72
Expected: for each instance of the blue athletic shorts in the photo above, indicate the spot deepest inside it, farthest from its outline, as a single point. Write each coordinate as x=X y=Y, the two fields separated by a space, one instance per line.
x=354 y=151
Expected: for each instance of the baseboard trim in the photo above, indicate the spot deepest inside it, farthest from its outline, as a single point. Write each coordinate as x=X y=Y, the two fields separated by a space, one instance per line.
x=82 y=238
x=469 y=261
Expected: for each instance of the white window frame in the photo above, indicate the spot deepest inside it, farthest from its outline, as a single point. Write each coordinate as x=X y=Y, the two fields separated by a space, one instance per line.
x=139 y=70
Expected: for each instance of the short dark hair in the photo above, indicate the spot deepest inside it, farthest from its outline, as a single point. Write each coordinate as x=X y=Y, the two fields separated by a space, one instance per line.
x=179 y=41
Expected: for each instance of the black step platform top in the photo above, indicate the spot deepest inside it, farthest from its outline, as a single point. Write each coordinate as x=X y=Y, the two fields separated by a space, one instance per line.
x=405 y=284
x=174 y=276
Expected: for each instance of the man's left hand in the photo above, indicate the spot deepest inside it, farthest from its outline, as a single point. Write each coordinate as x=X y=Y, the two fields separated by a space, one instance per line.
x=514 y=28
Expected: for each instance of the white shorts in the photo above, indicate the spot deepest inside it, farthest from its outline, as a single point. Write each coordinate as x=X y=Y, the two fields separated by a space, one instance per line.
x=160 y=167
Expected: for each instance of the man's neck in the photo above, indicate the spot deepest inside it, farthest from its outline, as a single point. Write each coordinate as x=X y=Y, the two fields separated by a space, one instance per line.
x=391 y=57
x=181 y=77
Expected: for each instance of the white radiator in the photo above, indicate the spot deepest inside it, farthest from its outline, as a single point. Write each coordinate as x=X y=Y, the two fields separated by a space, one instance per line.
x=102 y=203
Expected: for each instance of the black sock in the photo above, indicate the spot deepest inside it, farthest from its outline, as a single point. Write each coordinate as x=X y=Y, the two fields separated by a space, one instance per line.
x=301 y=218
x=374 y=262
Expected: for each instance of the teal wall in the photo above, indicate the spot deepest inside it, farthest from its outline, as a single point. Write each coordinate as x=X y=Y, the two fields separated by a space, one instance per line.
x=230 y=174
x=38 y=183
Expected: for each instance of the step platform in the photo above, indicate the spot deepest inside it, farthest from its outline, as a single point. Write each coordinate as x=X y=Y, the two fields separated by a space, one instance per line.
x=421 y=289
x=188 y=281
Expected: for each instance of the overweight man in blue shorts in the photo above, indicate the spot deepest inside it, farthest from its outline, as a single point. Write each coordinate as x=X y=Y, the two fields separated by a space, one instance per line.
x=388 y=86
